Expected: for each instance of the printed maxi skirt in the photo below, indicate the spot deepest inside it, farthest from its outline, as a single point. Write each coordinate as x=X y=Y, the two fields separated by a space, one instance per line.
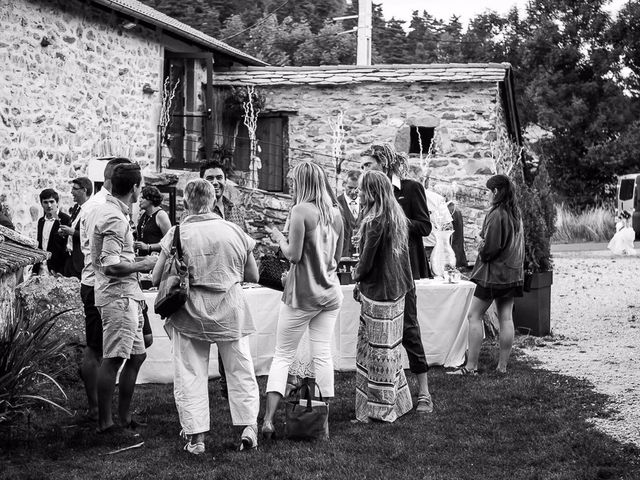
x=382 y=392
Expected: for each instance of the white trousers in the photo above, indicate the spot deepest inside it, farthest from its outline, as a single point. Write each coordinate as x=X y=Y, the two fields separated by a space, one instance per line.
x=191 y=382
x=292 y=324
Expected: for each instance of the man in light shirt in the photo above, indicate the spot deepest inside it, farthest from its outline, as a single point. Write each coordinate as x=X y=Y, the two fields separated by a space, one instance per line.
x=439 y=214
x=118 y=296
x=92 y=355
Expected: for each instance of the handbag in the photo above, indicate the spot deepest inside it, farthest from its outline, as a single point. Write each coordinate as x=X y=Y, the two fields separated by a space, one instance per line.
x=174 y=285
x=272 y=267
x=306 y=418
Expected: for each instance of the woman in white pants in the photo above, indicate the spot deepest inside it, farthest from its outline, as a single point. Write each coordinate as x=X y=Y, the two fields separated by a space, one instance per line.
x=312 y=294
x=219 y=257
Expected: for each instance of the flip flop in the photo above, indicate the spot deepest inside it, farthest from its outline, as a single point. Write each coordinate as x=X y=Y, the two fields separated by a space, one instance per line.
x=464 y=371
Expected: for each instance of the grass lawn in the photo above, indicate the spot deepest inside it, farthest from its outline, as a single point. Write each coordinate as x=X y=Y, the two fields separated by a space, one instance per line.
x=530 y=424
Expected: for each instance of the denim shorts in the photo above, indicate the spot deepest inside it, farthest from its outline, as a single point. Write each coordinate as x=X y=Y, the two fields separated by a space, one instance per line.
x=122 y=322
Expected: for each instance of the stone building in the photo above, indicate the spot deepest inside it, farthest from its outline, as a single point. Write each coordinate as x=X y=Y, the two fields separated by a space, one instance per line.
x=452 y=120
x=88 y=79
x=83 y=79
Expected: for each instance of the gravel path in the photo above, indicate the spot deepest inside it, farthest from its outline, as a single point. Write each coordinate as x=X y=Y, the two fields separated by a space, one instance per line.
x=595 y=321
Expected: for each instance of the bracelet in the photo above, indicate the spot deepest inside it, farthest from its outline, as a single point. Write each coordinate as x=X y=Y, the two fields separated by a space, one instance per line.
x=148 y=247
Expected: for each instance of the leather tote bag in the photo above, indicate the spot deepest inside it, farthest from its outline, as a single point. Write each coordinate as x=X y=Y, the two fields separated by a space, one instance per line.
x=174 y=285
x=306 y=418
x=272 y=267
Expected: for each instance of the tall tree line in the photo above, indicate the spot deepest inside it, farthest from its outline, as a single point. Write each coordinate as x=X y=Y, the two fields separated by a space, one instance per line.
x=577 y=68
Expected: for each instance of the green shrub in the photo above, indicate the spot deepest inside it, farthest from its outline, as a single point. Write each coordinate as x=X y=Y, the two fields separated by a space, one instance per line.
x=26 y=344
x=538 y=215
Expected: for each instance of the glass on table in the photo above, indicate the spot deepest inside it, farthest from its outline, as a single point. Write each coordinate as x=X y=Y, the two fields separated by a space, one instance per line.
x=355 y=241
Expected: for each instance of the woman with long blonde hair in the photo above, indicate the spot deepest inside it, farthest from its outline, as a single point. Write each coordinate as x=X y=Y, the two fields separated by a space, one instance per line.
x=312 y=296
x=383 y=276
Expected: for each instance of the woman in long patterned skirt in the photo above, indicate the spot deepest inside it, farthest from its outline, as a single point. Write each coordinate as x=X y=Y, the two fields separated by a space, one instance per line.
x=383 y=277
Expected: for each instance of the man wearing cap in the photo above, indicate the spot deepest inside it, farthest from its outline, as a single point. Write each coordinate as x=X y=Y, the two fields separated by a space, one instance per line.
x=81 y=190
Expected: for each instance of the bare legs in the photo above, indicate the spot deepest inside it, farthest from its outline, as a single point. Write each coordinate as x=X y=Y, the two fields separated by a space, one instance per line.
x=476 y=330
x=273 y=399
x=89 y=373
x=107 y=383
x=505 y=317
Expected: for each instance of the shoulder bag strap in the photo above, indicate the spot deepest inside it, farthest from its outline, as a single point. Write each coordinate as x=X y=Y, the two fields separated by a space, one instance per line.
x=176 y=246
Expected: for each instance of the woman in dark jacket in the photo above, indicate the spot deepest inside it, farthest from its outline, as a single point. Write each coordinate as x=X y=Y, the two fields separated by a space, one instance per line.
x=384 y=277
x=498 y=272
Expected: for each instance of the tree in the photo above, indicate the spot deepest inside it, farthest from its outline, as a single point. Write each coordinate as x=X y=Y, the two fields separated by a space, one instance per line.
x=625 y=38
x=423 y=37
x=327 y=48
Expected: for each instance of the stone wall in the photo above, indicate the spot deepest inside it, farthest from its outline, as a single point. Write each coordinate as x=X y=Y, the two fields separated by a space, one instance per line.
x=70 y=90
x=465 y=116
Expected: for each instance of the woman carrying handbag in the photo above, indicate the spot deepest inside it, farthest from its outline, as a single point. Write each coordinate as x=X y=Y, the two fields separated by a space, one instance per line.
x=312 y=295
x=219 y=256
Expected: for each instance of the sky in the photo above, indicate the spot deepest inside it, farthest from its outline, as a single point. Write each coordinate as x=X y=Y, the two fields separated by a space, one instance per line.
x=466 y=9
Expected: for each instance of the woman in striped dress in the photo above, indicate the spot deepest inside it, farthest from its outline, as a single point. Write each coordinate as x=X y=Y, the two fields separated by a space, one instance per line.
x=383 y=277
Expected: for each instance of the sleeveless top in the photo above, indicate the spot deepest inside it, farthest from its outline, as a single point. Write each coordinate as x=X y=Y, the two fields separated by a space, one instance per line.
x=312 y=283
x=148 y=230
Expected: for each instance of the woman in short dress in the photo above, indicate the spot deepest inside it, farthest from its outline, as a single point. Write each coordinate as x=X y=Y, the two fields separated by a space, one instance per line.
x=383 y=276
x=498 y=272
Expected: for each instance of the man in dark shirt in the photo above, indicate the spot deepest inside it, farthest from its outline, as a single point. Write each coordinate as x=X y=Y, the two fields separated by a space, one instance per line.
x=81 y=190
x=49 y=235
x=410 y=195
x=350 y=208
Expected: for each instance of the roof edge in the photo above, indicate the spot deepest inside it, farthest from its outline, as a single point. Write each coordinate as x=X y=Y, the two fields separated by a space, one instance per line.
x=181 y=29
x=376 y=67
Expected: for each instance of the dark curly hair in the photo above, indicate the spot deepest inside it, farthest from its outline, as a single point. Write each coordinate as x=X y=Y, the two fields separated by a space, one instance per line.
x=391 y=161
x=152 y=194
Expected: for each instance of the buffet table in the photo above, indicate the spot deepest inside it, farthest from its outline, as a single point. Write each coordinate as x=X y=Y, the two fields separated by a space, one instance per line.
x=442 y=313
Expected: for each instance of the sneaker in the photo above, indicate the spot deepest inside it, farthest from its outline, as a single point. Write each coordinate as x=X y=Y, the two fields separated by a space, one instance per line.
x=425 y=404
x=249 y=438
x=194 y=448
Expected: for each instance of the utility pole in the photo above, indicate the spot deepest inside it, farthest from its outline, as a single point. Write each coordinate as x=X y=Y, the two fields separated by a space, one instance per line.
x=363 y=56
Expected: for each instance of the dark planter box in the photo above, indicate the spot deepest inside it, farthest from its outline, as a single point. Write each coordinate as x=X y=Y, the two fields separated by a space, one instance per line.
x=532 y=312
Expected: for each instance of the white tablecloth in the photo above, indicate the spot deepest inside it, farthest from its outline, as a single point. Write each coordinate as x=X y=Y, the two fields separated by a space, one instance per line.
x=442 y=313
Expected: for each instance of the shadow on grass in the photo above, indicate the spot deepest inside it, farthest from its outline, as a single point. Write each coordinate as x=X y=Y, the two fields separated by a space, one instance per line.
x=529 y=424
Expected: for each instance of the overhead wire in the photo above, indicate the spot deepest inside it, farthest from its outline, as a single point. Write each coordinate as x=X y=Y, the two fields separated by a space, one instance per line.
x=260 y=22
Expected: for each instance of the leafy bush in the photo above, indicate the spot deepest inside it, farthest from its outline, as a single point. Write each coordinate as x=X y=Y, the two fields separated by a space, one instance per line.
x=538 y=217
x=594 y=224
x=26 y=344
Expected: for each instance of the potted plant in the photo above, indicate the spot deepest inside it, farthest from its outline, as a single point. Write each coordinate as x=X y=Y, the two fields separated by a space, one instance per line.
x=532 y=312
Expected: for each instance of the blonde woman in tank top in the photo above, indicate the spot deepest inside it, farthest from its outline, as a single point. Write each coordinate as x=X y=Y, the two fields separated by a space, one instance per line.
x=312 y=296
